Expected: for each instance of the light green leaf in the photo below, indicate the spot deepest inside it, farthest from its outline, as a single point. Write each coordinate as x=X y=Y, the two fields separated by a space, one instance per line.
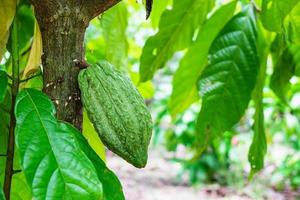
x=274 y=12
x=295 y=50
x=3 y=85
x=157 y=10
x=51 y=157
x=7 y=13
x=20 y=190
x=292 y=25
x=111 y=185
x=146 y=89
x=176 y=30
x=227 y=82
x=114 y=24
x=185 y=79
x=92 y=137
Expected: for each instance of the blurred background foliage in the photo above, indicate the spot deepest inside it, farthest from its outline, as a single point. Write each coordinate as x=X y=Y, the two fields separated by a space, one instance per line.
x=119 y=36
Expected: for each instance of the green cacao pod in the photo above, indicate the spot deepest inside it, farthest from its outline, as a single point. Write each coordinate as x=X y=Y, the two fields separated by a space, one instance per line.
x=117 y=111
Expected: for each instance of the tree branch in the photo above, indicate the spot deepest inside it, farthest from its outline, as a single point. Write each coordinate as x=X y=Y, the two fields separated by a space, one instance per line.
x=96 y=7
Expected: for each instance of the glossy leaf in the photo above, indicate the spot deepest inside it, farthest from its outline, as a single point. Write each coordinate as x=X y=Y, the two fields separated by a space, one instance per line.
x=3 y=85
x=195 y=60
x=227 y=82
x=114 y=24
x=111 y=185
x=52 y=160
x=176 y=31
x=7 y=13
x=34 y=60
x=274 y=12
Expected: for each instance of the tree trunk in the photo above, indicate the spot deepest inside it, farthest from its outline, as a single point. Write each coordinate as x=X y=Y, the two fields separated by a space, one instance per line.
x=63 y=24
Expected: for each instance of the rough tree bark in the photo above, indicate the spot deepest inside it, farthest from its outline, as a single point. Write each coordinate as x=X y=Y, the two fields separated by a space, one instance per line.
x=63 y=24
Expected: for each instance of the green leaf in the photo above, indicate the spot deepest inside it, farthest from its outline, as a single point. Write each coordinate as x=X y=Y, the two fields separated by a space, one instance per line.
x=258 y=147
x=114 y=24
x=284 y=68
x=111 y=185
x=157 y=10
x=2 y=197
x=51 y=157
x=3 y=85
x=292 y=25
x=7 y=13
x=227 y=82
x=176 y=30
x=195 y=60
x=274 y=12
x=20 y=189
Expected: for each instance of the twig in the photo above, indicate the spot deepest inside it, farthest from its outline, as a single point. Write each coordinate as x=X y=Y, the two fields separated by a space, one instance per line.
x=31 y=77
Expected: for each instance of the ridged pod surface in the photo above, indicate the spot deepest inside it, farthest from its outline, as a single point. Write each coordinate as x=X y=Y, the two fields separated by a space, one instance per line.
x=117 y=111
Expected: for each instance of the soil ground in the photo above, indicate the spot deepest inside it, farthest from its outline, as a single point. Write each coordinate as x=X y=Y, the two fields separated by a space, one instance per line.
x=158 y=182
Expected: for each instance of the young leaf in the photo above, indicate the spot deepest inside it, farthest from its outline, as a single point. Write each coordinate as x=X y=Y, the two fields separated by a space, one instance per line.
x=274 y=12
x=227 y=82
x=34 y=60
x=184 y=83
x=111 y=185
x=114 y=24
x=51 y=157
x=3 y=85
x=176 y=31
x=20 y=189
x=7 y=13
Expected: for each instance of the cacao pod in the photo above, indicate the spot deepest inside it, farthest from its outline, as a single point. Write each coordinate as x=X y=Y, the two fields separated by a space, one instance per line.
x=117 y=111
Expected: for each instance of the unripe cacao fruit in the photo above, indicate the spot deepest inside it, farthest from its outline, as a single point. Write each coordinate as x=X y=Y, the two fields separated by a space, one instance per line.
x=117 y=111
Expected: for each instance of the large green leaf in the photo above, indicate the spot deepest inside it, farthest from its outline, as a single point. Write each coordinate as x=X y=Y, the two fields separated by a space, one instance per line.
x=185 y=79
x=176 y=31
x=274 y=12
x=3 y=85
x=111 y=185
x=295 y=51
x=114 y=24
x=292 y=25
x=51 y=157
x=227 y=82
x=157 y=10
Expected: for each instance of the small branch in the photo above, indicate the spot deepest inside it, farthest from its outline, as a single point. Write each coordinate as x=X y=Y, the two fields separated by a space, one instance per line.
x=96 y=7
x=10 y=77
x=3 y=155
x=31 y=77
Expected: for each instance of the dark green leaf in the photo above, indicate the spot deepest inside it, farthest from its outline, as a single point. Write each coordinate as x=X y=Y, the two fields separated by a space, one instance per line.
x=111 y=185
x=274 y=12
x=185 y=79
x=227 y=82
x=51 y=157
x=3 y=85
x=176 y=31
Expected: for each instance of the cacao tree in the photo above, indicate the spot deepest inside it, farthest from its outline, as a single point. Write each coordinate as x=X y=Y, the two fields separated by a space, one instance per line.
x=46 y=147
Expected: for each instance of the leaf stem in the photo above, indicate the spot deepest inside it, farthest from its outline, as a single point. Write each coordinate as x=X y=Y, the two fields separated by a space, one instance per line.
x=9 y=171
x=31 y=77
